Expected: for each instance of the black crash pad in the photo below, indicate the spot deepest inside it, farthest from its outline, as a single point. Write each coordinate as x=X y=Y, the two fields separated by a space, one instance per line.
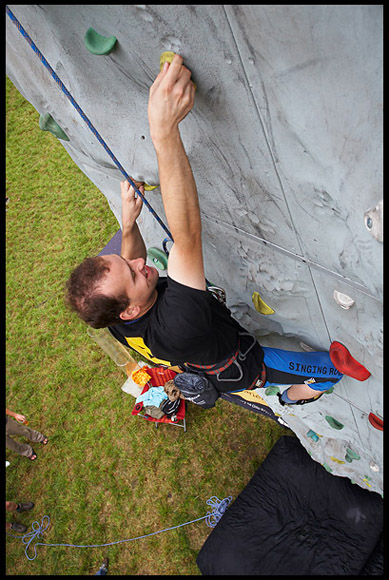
x=295 y=518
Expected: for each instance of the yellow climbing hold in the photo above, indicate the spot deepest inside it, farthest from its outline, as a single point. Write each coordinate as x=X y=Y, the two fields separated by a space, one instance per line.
x=168 y=56
x=261 y=306
x=149 y=187
x=336 y=460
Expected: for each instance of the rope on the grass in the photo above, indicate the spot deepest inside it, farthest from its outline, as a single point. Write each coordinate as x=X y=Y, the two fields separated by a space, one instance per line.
x=211 y=519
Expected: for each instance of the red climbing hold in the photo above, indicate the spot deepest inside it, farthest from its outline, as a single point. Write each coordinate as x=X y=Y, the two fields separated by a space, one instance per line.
x=345 y=363
x=376 y=422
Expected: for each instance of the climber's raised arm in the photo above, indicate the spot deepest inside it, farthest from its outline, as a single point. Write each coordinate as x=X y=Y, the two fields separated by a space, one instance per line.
x=171 y=99
x=133 y=245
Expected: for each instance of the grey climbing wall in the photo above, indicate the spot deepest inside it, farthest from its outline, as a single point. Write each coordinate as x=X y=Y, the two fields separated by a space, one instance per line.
x=285 y=141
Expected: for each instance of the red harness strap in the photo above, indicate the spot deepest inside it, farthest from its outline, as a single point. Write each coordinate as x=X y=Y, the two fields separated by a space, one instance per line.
x=218 y=367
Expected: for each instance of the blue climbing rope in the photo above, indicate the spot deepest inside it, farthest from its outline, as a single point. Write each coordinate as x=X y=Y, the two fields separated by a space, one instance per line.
x=212 y=519
x=82 y=114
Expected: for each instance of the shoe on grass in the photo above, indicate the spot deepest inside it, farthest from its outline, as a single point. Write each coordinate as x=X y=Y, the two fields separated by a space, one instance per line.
x=20 y=528
x=104 y=565
x=24 y=507
x=33 y=456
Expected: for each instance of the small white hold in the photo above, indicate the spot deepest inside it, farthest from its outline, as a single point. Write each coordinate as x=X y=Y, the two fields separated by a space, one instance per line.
x=343 y=300
x=374 y=221
x=306 y=347
x=142 y=8
x=282 y=422
x=373 y=466
x=171 y=43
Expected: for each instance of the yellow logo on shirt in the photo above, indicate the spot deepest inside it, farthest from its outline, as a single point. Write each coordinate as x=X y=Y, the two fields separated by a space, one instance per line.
x=138 y=344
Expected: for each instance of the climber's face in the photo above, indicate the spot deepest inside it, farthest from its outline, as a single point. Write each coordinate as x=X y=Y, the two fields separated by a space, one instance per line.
x=134 y=279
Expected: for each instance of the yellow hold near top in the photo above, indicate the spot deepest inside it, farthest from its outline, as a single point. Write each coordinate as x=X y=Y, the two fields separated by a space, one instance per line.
x=260 y=305
x=168 y=56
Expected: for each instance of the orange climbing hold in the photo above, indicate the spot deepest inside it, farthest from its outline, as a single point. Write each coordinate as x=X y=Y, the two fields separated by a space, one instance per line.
x=345 y=363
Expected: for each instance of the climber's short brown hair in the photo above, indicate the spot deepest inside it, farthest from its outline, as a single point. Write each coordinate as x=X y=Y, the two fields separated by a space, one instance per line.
x=83 y=296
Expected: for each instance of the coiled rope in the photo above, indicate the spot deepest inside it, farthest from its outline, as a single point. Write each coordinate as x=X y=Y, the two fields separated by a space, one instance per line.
x=82 y=114
x=212 y=519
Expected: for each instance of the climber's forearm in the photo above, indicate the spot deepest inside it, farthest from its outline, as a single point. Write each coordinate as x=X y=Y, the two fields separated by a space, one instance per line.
x=179 y=192
x=133 y=245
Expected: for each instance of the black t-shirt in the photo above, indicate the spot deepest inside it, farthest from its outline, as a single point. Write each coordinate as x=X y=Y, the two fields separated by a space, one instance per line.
x=184 y=325
x=187 y=325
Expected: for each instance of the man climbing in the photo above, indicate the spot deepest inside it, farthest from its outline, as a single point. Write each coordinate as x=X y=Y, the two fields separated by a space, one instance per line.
x=176 y=320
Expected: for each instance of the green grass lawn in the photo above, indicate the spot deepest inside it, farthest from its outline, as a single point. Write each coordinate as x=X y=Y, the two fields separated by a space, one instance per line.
x=105 y=475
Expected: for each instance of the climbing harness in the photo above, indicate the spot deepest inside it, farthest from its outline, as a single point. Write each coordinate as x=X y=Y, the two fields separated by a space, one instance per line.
x=217 y=292
x=82 y=114
x=212 y=518
x=220 y=367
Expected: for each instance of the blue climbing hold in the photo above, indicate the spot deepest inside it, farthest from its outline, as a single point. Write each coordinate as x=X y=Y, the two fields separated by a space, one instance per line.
x=314 y=436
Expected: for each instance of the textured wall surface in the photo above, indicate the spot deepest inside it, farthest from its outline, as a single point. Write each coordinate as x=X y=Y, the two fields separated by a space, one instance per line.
x=285 y=142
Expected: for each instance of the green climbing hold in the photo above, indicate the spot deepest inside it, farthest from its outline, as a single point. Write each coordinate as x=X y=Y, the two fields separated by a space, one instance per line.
x=350 y=455
x=272 y=390
x=47 y=123
x=334 y=423
x=327 y=467
x=158 y=257
x=98 y=44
